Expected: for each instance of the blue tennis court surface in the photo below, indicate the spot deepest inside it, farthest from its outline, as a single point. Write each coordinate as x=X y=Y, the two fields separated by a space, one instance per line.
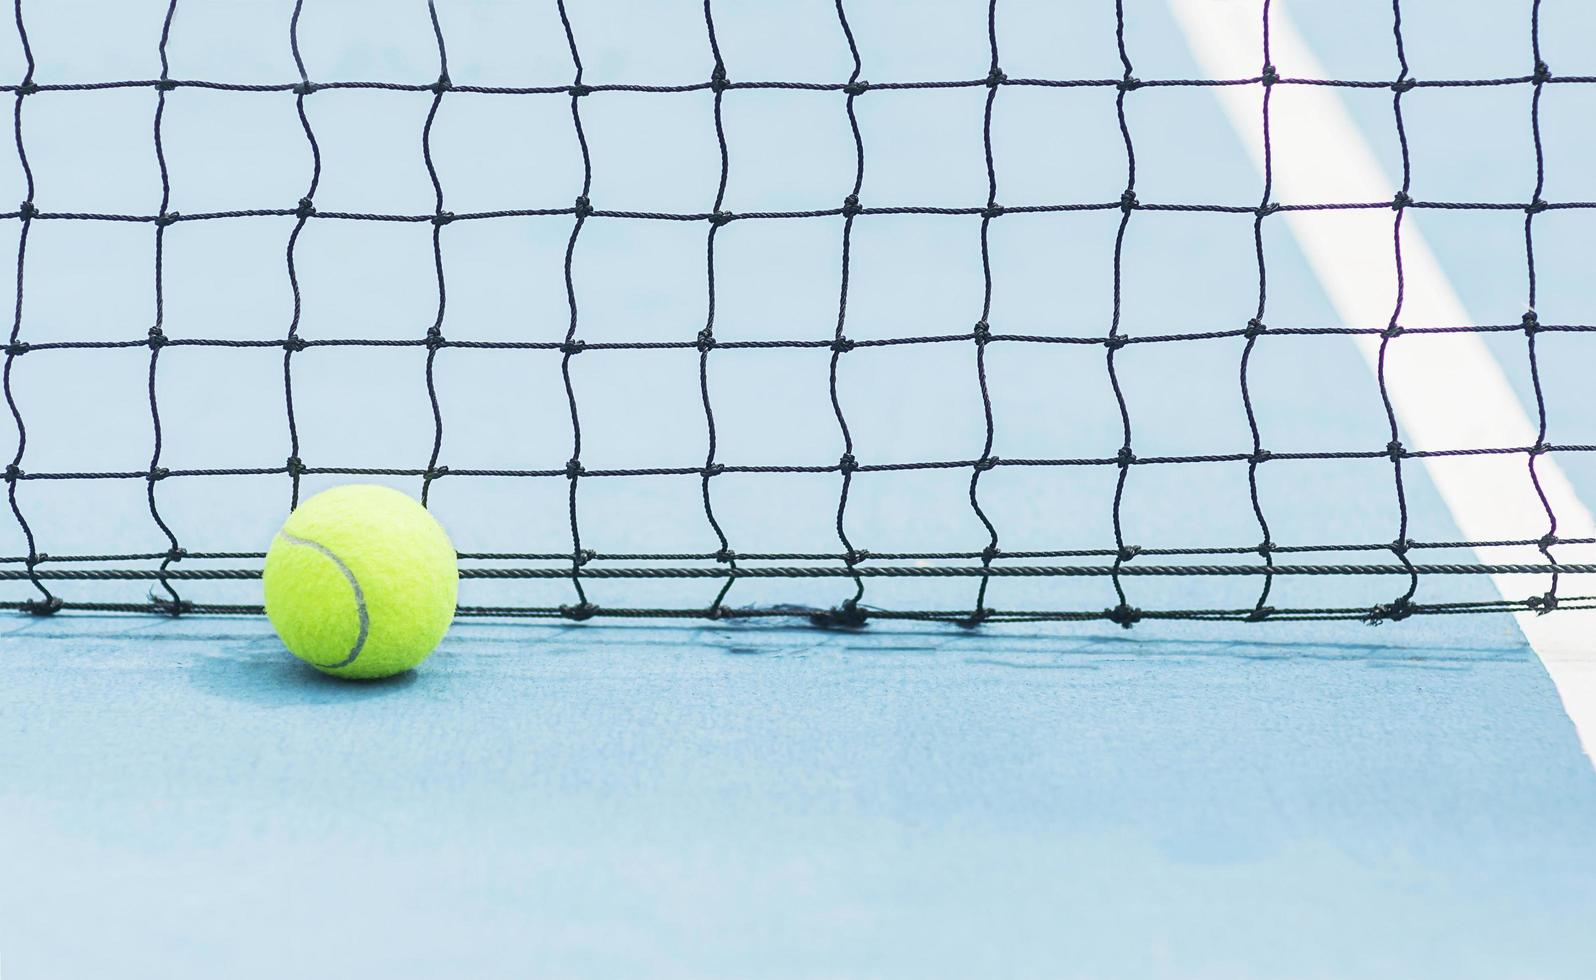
x=685 y=801
x=759 y=797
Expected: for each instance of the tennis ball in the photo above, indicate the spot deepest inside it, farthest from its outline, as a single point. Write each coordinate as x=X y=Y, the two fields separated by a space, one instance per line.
x=361 y=582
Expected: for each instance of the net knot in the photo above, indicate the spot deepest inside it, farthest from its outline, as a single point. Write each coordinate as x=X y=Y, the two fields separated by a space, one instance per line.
x=1265 y=548
x=48 y=606
x=993 y=210
x=573 y=468
x=1126 y=552
x=27 y=210
x=1129 y=83
x=725 y=556
x=583 y=206
x=296 y=466
x=167 y=217
x=1255 y=328
x=1260 y=456
x=171 y=607
x=578 y=90
x=1536 y=206
x=13 y=472
x=29 y=87
x=295 y=343
x=719 y=218
x=1394 y=450
x=156 y=340
x=859 y=87
x=305 y=208
x=1116 y=341
x=1267 y=208
x=985 y=463
x=854 y=556
x=1539 y=449
x=1124 y=457
x=846 y=616
x=17 y=348
x=1404 y=85
x=1269 y=75
x=176 y=554
x=976 y=618
x=1125 y=615
x=164 y=84
x=581 y=558
x=995 y=77
x=1401 y=547
x=1392 y=332
x=1395 y=612
x=442 y=218
x=982 y=332
x=306 y=87
x=434 y=472
x=850 y=205
x=841 y=345
x=435 y=339
x=1546 y=541
x=1400 y=201
x=706 y=340
x=1128 y=202
x=571 y=348
x=579 y=612
x=1542 y=604
x=1260 y=614
x=847 y=464
x=1531 y=322
x=717 y=80
x=1543 y=73
x=442 y=85
x=713 y=469
x=989 y=553
x=157 y=474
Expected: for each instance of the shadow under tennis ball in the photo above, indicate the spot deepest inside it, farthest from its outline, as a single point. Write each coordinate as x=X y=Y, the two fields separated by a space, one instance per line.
x=262 y=672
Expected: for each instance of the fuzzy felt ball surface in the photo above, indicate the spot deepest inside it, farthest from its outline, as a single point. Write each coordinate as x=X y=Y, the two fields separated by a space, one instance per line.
x=361 y=582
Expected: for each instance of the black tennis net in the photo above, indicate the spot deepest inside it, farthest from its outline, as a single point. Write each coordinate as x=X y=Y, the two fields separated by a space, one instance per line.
x=43 y=579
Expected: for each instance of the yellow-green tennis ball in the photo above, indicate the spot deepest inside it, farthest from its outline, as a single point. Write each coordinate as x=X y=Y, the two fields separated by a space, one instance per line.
x=361 y=582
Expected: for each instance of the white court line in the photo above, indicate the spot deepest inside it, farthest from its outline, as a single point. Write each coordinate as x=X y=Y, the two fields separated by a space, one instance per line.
x=1448 y=391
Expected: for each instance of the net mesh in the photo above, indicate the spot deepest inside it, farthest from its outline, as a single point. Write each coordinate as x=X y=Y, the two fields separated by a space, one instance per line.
x=179 y=575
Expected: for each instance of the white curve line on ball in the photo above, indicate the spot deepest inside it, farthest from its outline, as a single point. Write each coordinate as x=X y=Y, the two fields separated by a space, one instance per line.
x=360 y=597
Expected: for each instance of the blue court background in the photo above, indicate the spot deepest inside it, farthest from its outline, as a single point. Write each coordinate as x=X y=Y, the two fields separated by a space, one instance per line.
x=625 y=799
